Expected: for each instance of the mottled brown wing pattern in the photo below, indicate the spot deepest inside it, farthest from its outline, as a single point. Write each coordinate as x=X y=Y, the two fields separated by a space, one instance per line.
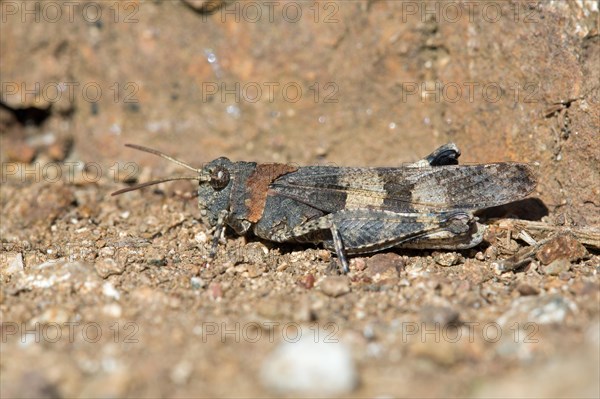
x=408 y=189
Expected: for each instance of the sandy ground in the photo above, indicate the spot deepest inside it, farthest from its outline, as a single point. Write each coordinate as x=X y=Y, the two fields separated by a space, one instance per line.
x=115 y=296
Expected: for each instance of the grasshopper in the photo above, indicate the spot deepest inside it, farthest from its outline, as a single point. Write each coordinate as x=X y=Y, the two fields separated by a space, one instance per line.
x=427 y=204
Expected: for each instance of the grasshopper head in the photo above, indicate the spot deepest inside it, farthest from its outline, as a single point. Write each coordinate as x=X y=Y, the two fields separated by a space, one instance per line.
x=214 y=189
x=214 y=184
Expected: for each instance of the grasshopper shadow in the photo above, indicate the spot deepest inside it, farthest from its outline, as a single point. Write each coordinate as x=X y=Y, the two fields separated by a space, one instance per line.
x=526 y=209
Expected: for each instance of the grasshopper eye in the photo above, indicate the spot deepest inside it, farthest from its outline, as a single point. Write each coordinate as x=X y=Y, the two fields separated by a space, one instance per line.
x=219 y=178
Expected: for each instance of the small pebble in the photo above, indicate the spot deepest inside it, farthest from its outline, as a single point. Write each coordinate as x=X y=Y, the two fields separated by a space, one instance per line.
x=255 y=270
x=215 y=291
x=205 y=6
x=440 y=351
x=110 y=291
x=526 y=290
x=59 y=273
x=108 y=267
x=564 y=276
x=586 y=288
x=561 y=247
x=15 y=265
x=20 y=152
x=197 y=283
x=358 y=264
x=384 y=266
x=282 y=266
x=159 y=262
x=324 y=255
x=557 y=267
x=106 y=252
x=112 y=310
x=440 y=316
x=335 y=286
x=201 y=237
x=491 y=253
x=307 y=281
x=58 y=151
x=181 y=372
x=447 y=258
x=255 y=252
x=239 y=269
x=546 y=309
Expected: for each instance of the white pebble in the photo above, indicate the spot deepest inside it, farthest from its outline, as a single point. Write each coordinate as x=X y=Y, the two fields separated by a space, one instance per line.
x=310 y=366
x=181 y=372
x=201 y=237
x=110 y=291
x=16 y=265
x=112 y=310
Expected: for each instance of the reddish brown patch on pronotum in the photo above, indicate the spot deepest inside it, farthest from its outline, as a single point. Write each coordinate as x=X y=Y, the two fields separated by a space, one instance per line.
x=258 y=184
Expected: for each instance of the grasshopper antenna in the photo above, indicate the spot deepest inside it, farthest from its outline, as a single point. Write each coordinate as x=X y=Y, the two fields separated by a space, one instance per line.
x=152 y=183
x=162 y=155
x=200 y=176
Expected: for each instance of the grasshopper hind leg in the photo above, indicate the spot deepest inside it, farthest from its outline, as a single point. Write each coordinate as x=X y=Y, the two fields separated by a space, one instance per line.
x=361 y=231
x=338 y=244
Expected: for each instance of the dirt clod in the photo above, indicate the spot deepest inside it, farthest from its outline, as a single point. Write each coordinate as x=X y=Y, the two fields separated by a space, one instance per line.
x=384 y=266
